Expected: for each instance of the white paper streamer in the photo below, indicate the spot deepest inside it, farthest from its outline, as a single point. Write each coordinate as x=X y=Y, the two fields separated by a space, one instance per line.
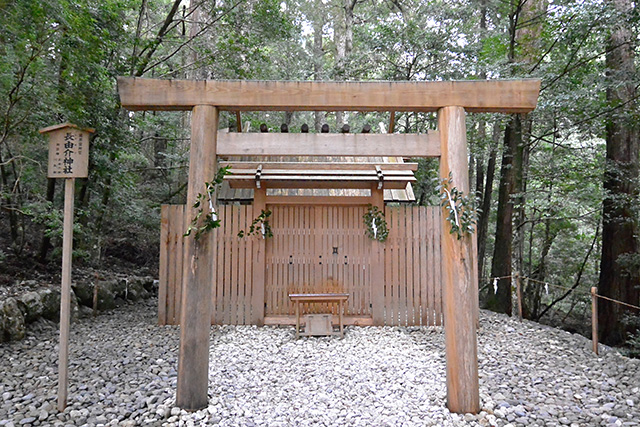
x=495 y=285
x=546 y=288
x=262 y=230
x=453 y=207
x=374 y=228
x=214 y=216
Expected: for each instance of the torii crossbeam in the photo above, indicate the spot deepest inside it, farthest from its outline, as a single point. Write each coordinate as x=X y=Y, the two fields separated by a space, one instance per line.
x=450 y=99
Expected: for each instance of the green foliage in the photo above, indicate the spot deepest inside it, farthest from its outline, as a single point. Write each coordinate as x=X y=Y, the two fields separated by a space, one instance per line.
x=206 y=218
x=632 y=323
x=58 y=60
x=375 y=224
x=259 y=226
x=633 y=343
x=425 y=188
x=462 y=213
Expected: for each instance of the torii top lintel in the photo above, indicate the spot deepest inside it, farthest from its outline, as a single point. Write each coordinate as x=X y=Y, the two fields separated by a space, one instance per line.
x=503 y=96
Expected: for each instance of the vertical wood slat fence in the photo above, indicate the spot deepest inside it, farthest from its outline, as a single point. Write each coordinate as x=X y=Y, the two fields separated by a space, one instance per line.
x=234 y=256
x=412 y=276
x=411 y=257
x=318 y=249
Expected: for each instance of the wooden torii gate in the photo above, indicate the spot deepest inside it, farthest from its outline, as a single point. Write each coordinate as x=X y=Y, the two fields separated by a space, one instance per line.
x=449 y=99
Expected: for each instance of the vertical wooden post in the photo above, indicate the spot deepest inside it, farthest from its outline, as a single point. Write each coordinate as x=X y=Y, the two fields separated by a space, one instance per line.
x=238 y=121
x=195 y=314
x=65 y=293
x=459 y=275
x=519 y=294
x=257 y=298
x=297 y=319
x=95 y=299
x=164 y=268
x=341 y=309
x=377 y=265
x=594 y=319
x=474 y=267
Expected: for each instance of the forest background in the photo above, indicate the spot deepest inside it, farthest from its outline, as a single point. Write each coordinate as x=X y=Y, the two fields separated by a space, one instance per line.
x=557 y=189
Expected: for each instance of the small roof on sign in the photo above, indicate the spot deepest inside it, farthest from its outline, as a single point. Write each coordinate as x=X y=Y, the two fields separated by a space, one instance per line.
x=62 y=126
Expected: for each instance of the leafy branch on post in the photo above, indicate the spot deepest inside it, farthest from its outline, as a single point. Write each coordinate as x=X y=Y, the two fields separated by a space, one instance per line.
x=375 y=224
x=260 y=225
x=206 y=220
x=462 y=213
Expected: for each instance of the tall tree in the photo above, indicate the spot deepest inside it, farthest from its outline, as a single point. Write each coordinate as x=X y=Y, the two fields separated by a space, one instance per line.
x=318 y=18
x=525 y=23
x=484 y=197
x=619 y=275
x=343 y=32
x=499 y=297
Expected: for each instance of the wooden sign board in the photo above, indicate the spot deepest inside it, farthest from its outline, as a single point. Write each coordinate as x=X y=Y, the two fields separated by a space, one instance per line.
x=68 y=151
x=68 y=158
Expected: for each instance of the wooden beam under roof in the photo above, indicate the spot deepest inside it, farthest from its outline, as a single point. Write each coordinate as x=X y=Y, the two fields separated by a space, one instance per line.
x=329 y=144
x=319 y=200
x=372 y=173
x=318 y=181
x=503 y=96
x=243 y=164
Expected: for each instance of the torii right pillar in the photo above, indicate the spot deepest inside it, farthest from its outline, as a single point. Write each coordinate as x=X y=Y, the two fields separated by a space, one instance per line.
x=459 y=274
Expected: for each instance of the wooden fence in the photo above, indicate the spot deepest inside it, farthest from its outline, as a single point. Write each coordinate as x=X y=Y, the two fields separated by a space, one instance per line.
x=412 y=276
x=318 y=249
x=233 y=291
x=170 y=271
x=314 y=249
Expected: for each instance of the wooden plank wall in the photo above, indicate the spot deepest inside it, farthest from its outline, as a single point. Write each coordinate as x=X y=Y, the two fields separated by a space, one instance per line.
x=412 y=276
x=234 y=273
x=302 y=234
x=301 y=258
x=171 y=237
x=233 y=283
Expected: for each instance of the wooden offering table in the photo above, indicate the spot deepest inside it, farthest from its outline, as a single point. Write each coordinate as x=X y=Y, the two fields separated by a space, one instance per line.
x=315 y=299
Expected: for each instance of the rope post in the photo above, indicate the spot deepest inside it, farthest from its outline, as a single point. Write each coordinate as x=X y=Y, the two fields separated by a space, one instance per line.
x=95 y=299
x=526 y=283
x=594 y=318
x=519 y=294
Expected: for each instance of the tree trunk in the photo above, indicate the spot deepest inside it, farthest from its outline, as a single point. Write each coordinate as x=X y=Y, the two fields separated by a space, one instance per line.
x=343 y=31
x=45 y=243
x=524 y=29
x=619 y=208
x=481 y=196
x=106 y=197
x=520 y=195
x=500 y=300
x=528 y=36
x=533 y=292
x=349 y=5
x=485 y=207
x=319 y=20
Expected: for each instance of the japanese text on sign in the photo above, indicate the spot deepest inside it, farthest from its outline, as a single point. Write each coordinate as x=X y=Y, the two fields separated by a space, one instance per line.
x=68 y=153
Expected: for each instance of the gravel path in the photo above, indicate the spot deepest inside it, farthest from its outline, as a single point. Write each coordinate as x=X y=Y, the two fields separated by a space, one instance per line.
x=123 y=372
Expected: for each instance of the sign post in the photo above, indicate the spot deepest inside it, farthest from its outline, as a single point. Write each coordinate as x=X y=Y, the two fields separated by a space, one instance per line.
x=68 y=159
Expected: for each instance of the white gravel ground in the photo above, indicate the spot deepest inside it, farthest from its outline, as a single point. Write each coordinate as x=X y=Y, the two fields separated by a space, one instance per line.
x=123 y=372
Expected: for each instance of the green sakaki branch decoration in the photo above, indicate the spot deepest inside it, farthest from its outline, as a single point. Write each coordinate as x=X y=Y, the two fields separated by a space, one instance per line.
x=375 y=223
x=259 y=226
x=462 y=213
x=206 y=220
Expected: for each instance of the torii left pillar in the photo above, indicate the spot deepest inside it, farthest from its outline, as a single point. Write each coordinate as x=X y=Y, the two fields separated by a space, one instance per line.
x=195 y=315
x=459 y=274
